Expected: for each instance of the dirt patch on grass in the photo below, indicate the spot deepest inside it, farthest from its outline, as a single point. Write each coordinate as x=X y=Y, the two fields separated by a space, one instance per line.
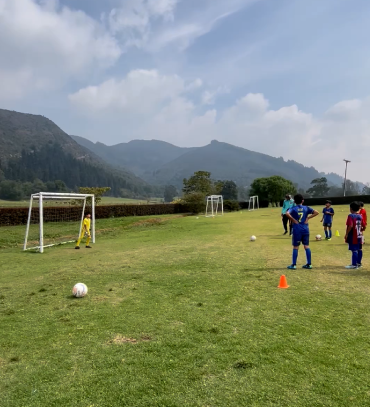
x=147 y=223
x=100 y=298
x=120 y=340
x=154 y=221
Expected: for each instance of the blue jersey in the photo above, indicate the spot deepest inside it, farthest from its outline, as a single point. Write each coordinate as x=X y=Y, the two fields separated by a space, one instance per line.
x=300 y=213
x=328 y=218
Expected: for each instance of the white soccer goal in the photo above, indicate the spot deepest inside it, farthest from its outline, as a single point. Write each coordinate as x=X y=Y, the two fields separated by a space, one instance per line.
x=253 y=203
x=215 y=206
x=56 y=218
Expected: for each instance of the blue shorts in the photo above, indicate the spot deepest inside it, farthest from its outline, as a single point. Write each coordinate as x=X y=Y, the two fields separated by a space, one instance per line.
x=327 y=225
x=299 y=237
x=354 y=247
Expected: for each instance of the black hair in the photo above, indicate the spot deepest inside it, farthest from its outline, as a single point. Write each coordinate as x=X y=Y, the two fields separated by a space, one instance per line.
x=87 y=214
x=362 y=204
x=298 y=199
x=329 y=202
x=355 y=206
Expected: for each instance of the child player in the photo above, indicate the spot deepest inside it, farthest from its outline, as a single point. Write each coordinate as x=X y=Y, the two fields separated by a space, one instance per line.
x=85 y=231
x=364 y=217
x=300 y=215
x=327 y=219
x=355 y=227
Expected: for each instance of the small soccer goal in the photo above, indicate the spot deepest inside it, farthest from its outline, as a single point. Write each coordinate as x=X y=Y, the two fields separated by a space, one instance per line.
x=215 y=206
x=253 y=203
x=56 y=218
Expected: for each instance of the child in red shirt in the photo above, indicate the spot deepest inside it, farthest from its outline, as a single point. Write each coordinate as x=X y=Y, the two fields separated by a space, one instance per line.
x=364 y=217
x=363 y=214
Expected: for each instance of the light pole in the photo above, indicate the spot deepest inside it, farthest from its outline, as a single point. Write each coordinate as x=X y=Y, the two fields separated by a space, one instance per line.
x=345 y=177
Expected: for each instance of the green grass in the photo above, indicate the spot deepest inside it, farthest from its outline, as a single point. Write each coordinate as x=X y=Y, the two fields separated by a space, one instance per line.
x=184 y=312
x=13 y=204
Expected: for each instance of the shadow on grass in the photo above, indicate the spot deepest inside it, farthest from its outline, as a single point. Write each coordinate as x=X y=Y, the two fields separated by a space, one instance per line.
x=352 y=273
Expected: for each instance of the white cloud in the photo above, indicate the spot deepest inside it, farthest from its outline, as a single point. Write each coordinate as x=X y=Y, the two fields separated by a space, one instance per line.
x=134 y=18
x=43 y=45
x=209 y=96
x=151 y=105
x=153 y=24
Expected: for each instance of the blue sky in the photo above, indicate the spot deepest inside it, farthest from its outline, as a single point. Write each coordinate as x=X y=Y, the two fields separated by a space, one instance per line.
x=287 y=78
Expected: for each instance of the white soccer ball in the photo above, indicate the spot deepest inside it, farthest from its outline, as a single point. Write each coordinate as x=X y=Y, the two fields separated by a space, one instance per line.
x=253 y=238
x=318 y=237
x=79 y=290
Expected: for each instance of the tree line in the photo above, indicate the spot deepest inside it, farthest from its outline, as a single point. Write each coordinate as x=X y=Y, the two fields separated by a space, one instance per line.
x=49 y=166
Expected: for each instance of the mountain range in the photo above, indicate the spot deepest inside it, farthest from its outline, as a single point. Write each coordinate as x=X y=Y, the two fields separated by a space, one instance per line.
x=33 y=147
x=161 y=163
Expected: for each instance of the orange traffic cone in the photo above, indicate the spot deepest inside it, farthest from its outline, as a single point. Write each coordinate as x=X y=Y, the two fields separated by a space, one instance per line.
x=283 y=283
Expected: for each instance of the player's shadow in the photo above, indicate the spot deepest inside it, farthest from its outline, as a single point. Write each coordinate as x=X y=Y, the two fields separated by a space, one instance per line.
x=352 y=273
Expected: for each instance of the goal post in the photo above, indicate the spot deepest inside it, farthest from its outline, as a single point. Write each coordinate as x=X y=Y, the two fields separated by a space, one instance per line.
x=215 y=206
x=57 y=218
x=253 y=203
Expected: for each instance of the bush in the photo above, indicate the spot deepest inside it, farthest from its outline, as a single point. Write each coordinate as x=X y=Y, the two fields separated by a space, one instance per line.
x=195 y=202
x=231 y=206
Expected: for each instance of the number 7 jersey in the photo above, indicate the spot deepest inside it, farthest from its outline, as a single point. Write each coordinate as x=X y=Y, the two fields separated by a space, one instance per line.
x=355 y=235
x=300 y=214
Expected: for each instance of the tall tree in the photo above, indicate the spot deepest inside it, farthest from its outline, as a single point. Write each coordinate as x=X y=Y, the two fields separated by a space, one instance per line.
x=366 y=189
x=352 y=188
x=319 y=187
x=199 y=182
x=272 y=188
x=170 y=192
x=227 y=189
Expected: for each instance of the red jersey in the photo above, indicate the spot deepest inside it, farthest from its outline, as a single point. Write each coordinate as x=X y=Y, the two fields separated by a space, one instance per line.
x=364 y=215
x=355 y=234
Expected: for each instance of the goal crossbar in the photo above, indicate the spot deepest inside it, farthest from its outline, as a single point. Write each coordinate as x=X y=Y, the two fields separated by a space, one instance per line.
x=50 y=196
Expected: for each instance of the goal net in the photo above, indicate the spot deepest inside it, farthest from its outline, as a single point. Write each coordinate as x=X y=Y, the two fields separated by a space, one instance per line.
x=253 y=203
x=56 y=218
x=215 y=205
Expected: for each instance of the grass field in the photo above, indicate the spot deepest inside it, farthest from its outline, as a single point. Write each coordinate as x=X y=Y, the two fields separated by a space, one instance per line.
x=184 y=312
x=106 y=200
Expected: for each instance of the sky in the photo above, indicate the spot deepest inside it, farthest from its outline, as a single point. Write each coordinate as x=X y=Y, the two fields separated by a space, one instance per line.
x=288 y=78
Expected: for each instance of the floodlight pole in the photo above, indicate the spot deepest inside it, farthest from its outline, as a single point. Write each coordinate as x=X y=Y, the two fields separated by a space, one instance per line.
x=345 y=177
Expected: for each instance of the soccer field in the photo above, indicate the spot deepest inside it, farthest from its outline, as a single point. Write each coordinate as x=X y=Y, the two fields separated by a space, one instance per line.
x=184 y=312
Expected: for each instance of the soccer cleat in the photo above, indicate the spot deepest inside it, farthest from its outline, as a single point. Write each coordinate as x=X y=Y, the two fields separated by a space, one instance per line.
x=307 y=266
x=285 y=233
x=77 y=247
x=88 y=247
x=359 y=266
x=351 y=267
x=292 y=267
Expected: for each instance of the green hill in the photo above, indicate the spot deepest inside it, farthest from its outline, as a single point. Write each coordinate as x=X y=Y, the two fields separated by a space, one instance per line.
x=33 y=147
x=161 y=163
x=142 y=157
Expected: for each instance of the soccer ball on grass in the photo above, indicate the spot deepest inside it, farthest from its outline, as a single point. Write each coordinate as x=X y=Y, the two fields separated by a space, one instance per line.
x=318 y=237
x=79 y=290
x=253 y=238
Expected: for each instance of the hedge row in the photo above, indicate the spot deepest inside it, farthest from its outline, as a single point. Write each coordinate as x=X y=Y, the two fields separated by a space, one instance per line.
x=19 y=216
x=338 y=200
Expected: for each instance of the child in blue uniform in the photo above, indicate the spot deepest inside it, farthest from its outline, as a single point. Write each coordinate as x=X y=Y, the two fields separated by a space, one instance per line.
x=300 y=215
x=327 y=219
